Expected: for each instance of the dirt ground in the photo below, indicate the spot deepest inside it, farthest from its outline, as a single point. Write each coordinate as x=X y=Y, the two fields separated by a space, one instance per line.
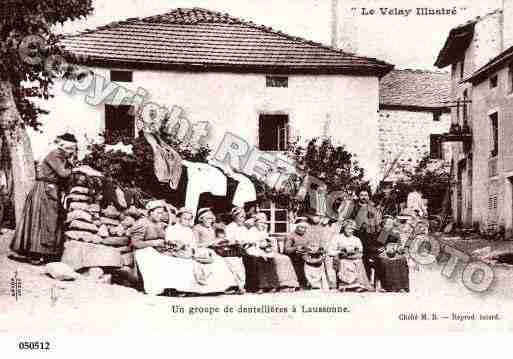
x=84 y=307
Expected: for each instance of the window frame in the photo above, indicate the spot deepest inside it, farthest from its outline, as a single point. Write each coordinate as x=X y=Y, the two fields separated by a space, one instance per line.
x=437 y=116
x=273 y=81
x=494 y=134
x=439 y=150
x=110 y=109
x=270 y=209
x=281 y=132
x=494 y=81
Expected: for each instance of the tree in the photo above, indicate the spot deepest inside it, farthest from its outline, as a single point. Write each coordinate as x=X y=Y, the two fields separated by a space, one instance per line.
x=27 y=46
x=337 y=168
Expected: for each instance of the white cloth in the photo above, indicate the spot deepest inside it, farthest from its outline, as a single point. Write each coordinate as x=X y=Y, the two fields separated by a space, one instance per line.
x=203 y=178
x=415 y=202
x=245 y=191
x=161 y=272
x=182 y=234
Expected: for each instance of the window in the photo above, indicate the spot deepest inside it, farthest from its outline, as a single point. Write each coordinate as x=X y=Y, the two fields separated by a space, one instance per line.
x=493 y=81
x=119 y=121
x=121 y=76
x=465 y=106
x=494 y=136
x=492 y=212
x=437 y=115
x=277 y=81
x=435 y=146
x=273 y=132
x=278 y=218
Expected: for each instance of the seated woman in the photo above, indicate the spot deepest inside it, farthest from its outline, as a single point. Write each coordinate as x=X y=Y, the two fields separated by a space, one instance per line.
x=391 y=262
x=295 y=245
x=175 y=262
x=316 y=273
x=348 y=252
x=206 y=239
x=236 y=234
x=148 y=232
x=281 y=274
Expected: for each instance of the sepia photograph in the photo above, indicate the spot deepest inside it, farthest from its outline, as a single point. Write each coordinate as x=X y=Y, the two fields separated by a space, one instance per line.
x=271 y=167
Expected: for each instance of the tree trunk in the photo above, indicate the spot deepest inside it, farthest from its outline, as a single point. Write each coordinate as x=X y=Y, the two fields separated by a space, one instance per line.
x=21 y=164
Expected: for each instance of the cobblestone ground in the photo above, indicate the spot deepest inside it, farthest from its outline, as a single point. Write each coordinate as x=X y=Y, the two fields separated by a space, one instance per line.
x=84 y=307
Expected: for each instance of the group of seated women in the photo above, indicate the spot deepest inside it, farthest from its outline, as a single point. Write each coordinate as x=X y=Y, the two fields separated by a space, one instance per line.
x=182 y=258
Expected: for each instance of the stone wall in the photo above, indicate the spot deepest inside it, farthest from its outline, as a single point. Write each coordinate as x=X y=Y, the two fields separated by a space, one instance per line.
x=409 y=132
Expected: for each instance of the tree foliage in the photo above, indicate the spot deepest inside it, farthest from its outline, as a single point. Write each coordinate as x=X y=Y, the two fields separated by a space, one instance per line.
x=27 y=42
x=430 y=177
x=136 y=169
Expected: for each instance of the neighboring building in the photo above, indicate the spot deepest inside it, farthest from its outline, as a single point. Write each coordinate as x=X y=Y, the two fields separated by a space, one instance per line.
x=414 y=113
x=479 y=53
x=260 y=84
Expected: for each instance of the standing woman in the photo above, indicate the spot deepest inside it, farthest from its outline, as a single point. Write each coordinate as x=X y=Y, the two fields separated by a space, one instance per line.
x=39 y=233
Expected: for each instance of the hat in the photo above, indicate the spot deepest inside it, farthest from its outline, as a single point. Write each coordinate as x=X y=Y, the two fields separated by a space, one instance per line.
x=237 y=211
x=260 y=216
x=204 y=212
x=68 y=137
x=184 y=210
x=151 y=205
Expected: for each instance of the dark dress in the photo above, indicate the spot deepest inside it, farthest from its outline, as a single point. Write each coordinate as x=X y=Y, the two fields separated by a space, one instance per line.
x=39 y=231
x=294 y=246
x=392 y=272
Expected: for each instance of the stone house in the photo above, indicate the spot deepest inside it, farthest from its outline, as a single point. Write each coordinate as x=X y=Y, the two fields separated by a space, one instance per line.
x=478 y=53
x=414 y=112
x=261 y=84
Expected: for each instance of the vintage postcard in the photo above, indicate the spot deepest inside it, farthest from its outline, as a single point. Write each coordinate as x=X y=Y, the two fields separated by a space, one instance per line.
x=274 y=167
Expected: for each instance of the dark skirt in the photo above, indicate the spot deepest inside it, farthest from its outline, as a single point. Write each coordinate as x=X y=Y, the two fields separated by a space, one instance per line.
x=39 y=231
x=260 y=273
x=299 y=266
x=393 y=273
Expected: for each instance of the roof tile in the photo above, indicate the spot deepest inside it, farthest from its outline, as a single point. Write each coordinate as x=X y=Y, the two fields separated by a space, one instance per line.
x=201 y=37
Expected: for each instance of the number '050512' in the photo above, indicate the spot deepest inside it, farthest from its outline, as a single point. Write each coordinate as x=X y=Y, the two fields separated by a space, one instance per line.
x=34 y=345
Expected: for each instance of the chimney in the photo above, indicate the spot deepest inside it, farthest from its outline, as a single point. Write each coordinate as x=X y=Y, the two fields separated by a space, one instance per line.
x=344 y=30
x=507 y=24
x=334 y=23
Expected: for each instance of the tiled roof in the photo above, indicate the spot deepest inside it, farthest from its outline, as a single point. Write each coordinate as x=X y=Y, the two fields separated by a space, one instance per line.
x=458 y=40
x=206 y=40
x=415 y=89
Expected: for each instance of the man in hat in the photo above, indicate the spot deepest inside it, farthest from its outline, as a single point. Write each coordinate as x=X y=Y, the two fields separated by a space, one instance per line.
x=39 y=236
x=365 y=216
